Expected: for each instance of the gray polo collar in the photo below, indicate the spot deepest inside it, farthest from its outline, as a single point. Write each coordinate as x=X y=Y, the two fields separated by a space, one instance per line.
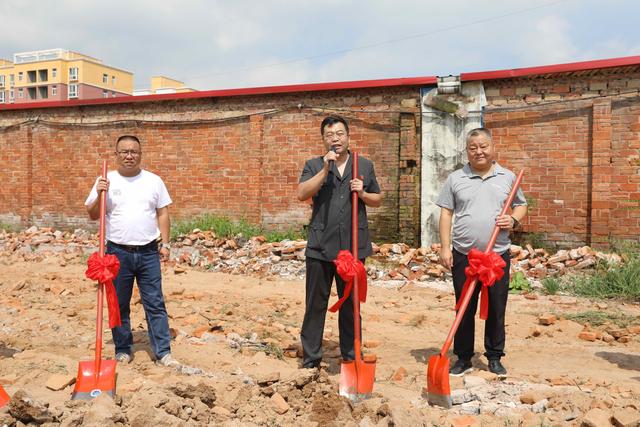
x=497 y=170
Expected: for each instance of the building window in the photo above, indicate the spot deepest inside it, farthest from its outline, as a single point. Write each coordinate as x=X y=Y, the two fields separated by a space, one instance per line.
x=73 y=91
x=113 y=94
x=12 y=79
x=11 y=96
x=20 y=93
x=105 y=78
x=1 y=80
x=1 y=97
x=105 y=93
x=73 y=73
x=20 y=75
x=54 y=90
x=54 y=73
x=113 y=80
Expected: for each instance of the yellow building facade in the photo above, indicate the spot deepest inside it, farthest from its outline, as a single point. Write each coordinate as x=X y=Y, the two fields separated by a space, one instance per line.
x=58 y=75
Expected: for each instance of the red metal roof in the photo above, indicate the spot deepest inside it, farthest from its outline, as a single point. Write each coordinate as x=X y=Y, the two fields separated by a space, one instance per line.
x=573 y=67
x=314 y=87
x=552 y=69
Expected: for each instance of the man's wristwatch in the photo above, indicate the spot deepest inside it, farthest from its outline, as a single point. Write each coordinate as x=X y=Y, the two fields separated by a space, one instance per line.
x=165 y=245
x=516 y=223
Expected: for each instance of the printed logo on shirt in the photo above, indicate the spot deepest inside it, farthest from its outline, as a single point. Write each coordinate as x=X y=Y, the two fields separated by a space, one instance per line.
x=116 y=192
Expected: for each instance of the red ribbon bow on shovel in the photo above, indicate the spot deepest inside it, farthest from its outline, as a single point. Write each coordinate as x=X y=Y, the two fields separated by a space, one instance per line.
x=348 y=267
x=488 y=269
x=104 y=270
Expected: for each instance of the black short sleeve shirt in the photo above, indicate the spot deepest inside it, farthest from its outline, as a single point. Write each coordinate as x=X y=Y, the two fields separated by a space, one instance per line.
x=330 y=226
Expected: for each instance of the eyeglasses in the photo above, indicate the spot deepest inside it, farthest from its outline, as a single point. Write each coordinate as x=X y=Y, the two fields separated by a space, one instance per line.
x=330 y=135
x=125 y=153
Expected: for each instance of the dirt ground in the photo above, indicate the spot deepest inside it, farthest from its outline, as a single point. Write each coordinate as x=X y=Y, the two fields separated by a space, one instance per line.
x=238 y=338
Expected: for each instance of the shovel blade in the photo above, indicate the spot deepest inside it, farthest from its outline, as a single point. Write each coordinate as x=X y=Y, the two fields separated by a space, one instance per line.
x=357 y=378
x=438 y=388
x=4 y=397
x=349 y=379
x=94 y=380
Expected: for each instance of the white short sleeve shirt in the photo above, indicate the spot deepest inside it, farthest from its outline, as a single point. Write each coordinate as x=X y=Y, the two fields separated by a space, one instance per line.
x=131 y=207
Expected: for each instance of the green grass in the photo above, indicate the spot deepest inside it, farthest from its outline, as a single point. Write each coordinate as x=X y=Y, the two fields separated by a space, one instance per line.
x=519 y=283
x=628 y=249
x=9 y=228
x=599 y=318
x=224 y=227
x=616 y=282
x=274 y=350
x=551 y=285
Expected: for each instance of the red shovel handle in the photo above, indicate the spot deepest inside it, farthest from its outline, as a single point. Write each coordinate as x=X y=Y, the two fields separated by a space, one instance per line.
x=354 y=250
x=467 y=296
x=101 y=239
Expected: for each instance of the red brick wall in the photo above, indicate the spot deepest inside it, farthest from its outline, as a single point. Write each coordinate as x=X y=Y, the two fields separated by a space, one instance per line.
x=241 y=167
x=577 y=137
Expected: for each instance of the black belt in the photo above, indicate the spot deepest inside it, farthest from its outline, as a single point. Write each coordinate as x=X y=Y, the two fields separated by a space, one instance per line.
x=134 y=248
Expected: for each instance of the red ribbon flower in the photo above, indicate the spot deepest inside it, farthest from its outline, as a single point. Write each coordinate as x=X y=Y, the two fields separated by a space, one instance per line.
x=488 y=268
x=348 y=268
x=104 y=270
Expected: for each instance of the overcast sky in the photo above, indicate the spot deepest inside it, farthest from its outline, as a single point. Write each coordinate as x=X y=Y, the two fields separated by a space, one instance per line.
x=240 y=43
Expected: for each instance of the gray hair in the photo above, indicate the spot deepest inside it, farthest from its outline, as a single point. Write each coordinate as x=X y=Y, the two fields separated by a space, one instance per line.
x=479 y=132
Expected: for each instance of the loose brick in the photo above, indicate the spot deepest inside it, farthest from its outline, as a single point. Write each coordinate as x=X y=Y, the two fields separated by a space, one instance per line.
x=596 y=418
x=587 y=336
x=626 y=418
x=279 y=404
x=58 y=382
x=547 y=319
x=399 y=374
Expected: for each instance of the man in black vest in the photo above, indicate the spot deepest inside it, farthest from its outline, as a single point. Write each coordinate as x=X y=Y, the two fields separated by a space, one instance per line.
x=328 y=181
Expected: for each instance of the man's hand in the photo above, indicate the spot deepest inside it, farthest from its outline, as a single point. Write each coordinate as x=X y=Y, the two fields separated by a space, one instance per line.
x=505 y=222
x=446 y=256
x=331 y=156
x=102 y=185
x=164 y=254
x=358 y=186
x=94 y=208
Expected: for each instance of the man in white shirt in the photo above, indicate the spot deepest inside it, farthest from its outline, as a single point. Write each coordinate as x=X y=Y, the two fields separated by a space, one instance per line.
x=137 y=214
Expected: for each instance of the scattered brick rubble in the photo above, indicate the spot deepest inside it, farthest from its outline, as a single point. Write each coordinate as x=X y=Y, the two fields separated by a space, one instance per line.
x=395 y=262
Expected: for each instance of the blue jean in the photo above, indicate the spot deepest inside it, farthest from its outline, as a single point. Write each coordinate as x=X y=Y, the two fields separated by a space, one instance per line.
x=143 y=265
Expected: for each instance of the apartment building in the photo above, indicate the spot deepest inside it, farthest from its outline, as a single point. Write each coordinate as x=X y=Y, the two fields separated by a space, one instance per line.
x=161 y=85
x=58 y=75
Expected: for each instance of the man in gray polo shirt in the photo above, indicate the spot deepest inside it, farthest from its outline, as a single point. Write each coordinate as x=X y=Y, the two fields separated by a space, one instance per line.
x=328 y=181
x=476 y=194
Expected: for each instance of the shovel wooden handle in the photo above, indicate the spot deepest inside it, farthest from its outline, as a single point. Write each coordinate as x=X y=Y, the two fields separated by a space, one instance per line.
x=354 y=250
x=101 y=240
x=472 y=286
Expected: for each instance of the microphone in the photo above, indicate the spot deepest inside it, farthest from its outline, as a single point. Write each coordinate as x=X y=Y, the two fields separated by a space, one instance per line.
x=331 y=161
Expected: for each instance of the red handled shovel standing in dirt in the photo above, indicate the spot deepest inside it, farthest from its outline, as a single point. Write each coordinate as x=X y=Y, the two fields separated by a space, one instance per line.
x=99 y=376
x=356 y=376
x=438 y=388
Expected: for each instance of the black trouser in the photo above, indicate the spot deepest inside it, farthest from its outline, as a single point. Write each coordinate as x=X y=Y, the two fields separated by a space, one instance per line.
x=320 y=275
x=494 y=335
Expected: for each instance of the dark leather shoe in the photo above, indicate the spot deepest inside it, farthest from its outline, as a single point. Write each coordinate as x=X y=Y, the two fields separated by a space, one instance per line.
x=460 y=368
x=496 y=367
x=312 y=365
